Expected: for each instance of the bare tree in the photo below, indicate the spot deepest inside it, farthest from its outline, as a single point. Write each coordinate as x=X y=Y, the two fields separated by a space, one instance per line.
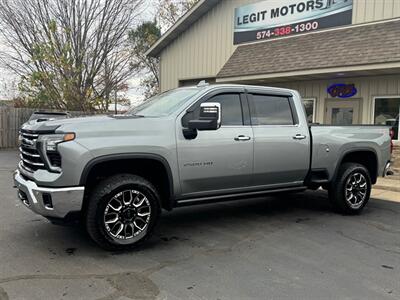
x=147 y=68
x=71 y=54
x=146 y=34
x=169 y=11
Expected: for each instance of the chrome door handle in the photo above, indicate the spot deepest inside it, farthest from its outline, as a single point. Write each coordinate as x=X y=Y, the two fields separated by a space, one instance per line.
x=299 y=137
x=242 y=138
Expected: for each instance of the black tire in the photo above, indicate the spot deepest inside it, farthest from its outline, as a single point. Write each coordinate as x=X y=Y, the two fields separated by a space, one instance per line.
x=114 y=189
x=344 y=193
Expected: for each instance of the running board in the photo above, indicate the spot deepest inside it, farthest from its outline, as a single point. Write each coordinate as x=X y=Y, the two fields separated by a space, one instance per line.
x=231 y=197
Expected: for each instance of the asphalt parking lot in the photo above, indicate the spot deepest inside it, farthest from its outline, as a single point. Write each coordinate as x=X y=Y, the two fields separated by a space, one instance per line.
x=290 y=247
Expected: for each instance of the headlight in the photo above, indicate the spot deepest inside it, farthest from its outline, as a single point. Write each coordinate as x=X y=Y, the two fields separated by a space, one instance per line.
x=47 y=147
x=50 y=142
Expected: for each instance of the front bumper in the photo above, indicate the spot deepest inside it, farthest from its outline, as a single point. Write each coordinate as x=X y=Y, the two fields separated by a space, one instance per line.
x=49 y=202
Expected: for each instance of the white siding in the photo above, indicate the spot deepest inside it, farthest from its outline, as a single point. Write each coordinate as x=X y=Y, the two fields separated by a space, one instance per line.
x=373 y=10
x=367 y=89
x=203 y=49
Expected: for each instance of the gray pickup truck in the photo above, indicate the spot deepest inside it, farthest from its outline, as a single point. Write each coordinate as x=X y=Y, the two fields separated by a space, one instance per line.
x=188 y=146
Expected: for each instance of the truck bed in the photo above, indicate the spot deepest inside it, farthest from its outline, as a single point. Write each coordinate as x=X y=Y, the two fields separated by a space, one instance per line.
x=331 y=143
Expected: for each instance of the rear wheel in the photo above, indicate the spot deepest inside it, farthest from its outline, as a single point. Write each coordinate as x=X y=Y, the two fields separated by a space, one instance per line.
x=352 y=188
x=122 y=212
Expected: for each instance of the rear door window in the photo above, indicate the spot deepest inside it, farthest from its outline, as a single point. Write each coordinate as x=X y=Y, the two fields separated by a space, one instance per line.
x=270 y=110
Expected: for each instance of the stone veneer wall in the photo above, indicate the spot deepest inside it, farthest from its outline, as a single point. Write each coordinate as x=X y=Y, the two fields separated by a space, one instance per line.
x=396 y=160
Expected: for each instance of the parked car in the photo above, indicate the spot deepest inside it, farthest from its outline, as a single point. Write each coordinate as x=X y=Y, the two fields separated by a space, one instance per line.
x=189 y=146
x=41 y=116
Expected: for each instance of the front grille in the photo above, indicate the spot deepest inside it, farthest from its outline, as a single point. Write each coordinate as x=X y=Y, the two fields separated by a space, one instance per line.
x=30 y=157
x=31 y=160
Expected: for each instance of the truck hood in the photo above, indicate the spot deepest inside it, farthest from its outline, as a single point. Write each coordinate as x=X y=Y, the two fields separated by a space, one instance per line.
x=48 y=126
x=93 y=124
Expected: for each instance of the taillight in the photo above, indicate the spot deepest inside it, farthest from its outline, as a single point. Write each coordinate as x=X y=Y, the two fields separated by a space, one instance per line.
x=391 y=133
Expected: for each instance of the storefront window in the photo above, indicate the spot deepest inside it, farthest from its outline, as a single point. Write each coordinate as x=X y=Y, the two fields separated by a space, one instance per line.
x=386 y=112
x=309 y=104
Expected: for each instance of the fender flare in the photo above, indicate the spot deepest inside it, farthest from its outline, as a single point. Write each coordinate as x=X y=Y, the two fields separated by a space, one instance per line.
x=343 y=155
x=126 y=156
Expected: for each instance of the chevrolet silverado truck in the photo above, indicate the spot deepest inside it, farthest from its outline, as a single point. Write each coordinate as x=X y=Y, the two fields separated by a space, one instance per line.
x=187 y=146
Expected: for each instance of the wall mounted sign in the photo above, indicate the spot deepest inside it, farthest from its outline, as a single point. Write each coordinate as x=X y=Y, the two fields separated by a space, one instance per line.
x=342 y=90
x=271 y=19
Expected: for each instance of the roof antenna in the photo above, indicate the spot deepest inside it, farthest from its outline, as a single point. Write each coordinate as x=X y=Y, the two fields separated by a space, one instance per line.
x=203 y=83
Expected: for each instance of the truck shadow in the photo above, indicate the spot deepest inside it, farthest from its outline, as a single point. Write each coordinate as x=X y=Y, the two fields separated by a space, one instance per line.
x=266 y=214
x=242 y=217
x=279 y=205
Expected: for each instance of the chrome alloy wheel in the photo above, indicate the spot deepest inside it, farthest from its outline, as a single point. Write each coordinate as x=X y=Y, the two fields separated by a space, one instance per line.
x=356 y=190
x=127 y=215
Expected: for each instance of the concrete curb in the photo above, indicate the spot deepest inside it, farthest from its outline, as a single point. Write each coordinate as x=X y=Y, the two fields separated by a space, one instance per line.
x=386 y=188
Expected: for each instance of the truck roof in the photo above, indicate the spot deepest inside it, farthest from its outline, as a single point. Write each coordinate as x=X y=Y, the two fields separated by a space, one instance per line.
x=207 y=87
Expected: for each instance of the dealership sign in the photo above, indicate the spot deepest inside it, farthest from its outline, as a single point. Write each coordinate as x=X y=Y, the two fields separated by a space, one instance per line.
x=276 y=18
x=342 y=90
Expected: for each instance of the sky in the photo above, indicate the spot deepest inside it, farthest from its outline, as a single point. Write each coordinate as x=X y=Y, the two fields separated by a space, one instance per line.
x=134 y=94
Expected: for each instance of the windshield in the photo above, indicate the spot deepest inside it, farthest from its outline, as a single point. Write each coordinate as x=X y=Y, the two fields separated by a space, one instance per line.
x=164 y=104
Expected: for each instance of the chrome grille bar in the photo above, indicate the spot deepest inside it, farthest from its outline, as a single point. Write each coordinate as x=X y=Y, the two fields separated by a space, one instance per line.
x=31 y=162
x=28 y=154
x=25 y=167
x=28 y=143
x=31 y=135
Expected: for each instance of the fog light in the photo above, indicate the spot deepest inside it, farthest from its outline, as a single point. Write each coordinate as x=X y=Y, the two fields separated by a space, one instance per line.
x=47 y=201
x=22 y=196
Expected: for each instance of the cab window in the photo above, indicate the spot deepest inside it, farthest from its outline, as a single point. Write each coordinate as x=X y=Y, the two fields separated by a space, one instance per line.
x=231 y=110
x=270 y=110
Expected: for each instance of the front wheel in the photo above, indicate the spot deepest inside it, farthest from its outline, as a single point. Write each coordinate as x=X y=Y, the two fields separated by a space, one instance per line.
x=122 y=212
x=352 y=188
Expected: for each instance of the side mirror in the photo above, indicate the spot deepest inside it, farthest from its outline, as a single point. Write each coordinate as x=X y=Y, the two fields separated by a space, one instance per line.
x=209 y=118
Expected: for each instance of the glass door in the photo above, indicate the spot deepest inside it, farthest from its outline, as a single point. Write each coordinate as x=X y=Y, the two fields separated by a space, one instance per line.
x=342 y=112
